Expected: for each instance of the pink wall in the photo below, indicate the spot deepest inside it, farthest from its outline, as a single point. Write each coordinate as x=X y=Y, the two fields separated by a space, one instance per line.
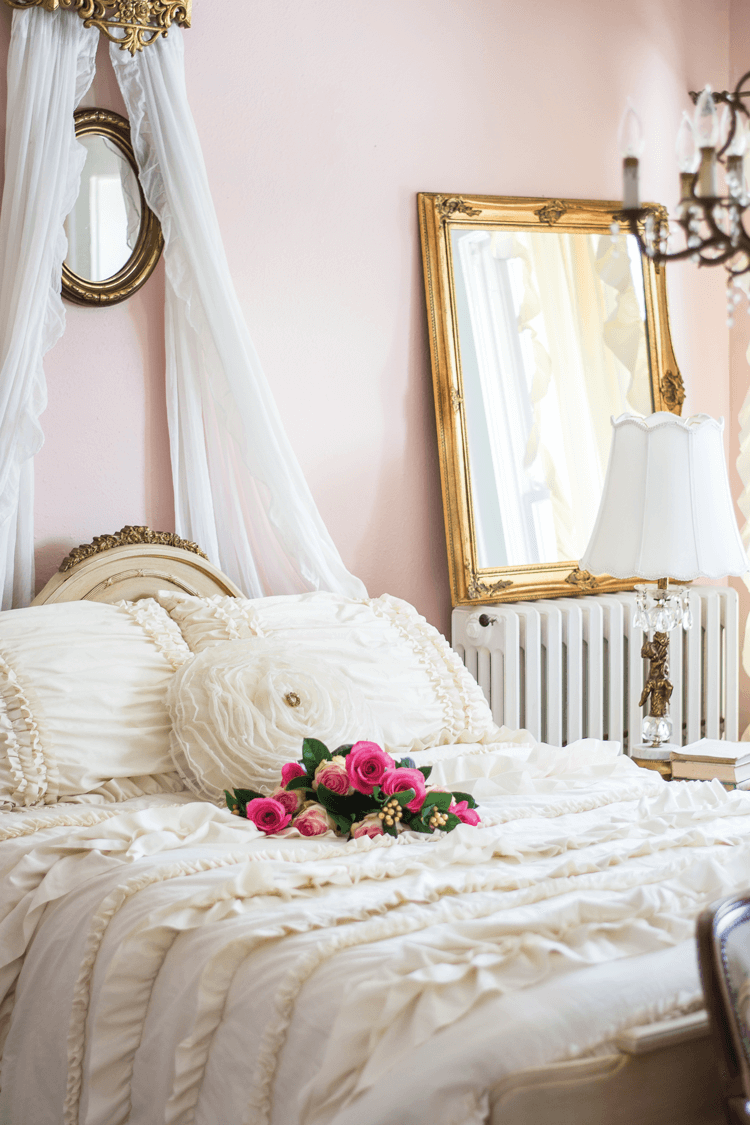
x=320 y=122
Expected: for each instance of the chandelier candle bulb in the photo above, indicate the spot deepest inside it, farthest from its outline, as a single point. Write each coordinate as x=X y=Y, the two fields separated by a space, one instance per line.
x=631 y=147
x=707 y=187
x=706 y=120
x=739 y=140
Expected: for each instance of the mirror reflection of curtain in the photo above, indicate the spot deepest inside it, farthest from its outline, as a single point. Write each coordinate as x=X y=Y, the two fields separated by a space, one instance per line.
x=505 y=407
x=130 y=194
x=558 y=345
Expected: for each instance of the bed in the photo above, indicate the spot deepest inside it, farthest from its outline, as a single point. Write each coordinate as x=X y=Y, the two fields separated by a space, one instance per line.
x=163 y=961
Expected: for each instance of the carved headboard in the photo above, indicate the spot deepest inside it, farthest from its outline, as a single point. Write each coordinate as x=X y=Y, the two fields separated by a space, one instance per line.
x=135 y=563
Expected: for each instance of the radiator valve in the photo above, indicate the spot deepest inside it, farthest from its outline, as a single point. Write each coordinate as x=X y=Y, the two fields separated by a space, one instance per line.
x=477 y=623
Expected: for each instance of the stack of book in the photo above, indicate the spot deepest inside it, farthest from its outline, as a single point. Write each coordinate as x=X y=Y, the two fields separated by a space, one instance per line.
x=729 y=762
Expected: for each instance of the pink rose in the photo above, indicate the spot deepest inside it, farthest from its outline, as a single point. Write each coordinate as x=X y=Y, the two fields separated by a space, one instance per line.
x=333 y=775
x=404 y=778
x=291 y=799
x=313 y=820
x=268 y=814
x=366 y=766
x=370 y=826
x=290 y=770
x=464 y=813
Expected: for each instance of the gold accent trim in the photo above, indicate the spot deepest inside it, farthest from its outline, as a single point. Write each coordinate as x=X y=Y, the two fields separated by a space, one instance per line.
x=450 y=205
x=661 y=765
x=672 y=391
x=125 y=537
x=658 y=685
x=439 y=216
x=479 y=589
x=142 y=262
x=583 y=579
x=131 y=24
x=552 y=212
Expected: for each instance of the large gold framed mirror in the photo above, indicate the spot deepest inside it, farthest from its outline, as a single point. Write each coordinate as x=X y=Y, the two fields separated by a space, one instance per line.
x=544 y=321
x=114 y=239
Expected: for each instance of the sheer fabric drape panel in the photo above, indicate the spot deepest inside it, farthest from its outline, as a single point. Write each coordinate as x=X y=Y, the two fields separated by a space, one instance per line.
x=50 y=66
x=239 y=490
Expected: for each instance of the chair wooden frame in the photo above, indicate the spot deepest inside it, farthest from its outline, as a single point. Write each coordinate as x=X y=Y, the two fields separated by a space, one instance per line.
x=729 y=1035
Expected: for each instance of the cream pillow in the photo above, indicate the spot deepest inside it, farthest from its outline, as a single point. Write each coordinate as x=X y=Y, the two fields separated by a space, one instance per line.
x=240 y=710
x=83 y=701
x=416 y=686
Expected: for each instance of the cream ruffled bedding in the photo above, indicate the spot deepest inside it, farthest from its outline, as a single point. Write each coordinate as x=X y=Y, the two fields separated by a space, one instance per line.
x=179 y=967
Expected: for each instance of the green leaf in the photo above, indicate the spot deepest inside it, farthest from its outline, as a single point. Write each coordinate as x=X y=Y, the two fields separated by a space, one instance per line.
x=246 y=795
x=343 y=750
x=425 y=771
x=358 y=805
x=416 y=824
x=313 y=753
x=390 y=829
x=458 y=797
x=302 y=781
x=232 y=802
x=407 y=764
x=330 y=800
x=403 y=797
x=377 y=796
x=453 y=822
x=441 y=801
x=343 y=823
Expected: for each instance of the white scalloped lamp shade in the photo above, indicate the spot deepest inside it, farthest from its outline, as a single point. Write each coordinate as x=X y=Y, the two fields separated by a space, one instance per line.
x=666 y=510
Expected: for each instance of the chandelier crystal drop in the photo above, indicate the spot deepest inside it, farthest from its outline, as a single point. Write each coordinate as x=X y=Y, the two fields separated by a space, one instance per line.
x=708 y=227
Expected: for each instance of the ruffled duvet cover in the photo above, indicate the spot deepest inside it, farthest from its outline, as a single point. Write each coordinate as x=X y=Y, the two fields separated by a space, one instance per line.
x=162 y=961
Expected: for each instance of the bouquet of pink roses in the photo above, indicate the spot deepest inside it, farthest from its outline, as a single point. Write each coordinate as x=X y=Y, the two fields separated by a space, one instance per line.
x=358 y=790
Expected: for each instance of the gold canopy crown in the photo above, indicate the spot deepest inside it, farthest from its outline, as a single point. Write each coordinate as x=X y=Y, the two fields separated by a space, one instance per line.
x=132 y=24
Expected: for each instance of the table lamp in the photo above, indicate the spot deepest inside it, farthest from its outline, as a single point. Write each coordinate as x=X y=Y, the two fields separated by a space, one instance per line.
x=665 y=513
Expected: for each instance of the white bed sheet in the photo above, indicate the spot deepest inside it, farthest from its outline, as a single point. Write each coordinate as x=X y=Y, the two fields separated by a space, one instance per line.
x=180 y=967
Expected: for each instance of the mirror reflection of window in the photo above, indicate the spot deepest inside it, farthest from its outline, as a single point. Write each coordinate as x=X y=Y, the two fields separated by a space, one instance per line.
x=102 y=228
x=552 y=340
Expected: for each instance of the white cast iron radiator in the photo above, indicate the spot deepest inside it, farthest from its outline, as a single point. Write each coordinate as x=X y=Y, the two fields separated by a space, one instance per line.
x=572 y=668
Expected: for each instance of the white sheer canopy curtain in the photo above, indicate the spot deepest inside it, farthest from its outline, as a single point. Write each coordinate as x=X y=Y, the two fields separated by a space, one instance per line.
x=50 y=66
x=239 y=490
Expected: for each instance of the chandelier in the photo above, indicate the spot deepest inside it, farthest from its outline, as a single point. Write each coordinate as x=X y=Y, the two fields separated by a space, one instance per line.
x=131 y=24
x=709 y=228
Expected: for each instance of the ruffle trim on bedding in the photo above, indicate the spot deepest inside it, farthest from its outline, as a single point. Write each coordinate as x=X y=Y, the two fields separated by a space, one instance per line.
x=466 y=714
x=32 y=765
x=159 y=627
x=234 y=616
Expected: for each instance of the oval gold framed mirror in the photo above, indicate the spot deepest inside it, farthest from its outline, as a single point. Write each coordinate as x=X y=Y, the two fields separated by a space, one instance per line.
x=544 y=321
x=114 y=238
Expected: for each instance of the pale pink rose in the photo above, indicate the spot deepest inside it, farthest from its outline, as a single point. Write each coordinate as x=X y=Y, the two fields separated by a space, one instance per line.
x=370 y=826
x=398 y=780
x=464 y=813
x=290 y=770
x=313 y=820
x=291 y=799
x=333 y=775
x=367 y=765
x=268 y=814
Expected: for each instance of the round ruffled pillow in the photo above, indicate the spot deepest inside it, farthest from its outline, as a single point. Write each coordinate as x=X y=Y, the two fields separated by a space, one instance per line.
x=241 y=709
